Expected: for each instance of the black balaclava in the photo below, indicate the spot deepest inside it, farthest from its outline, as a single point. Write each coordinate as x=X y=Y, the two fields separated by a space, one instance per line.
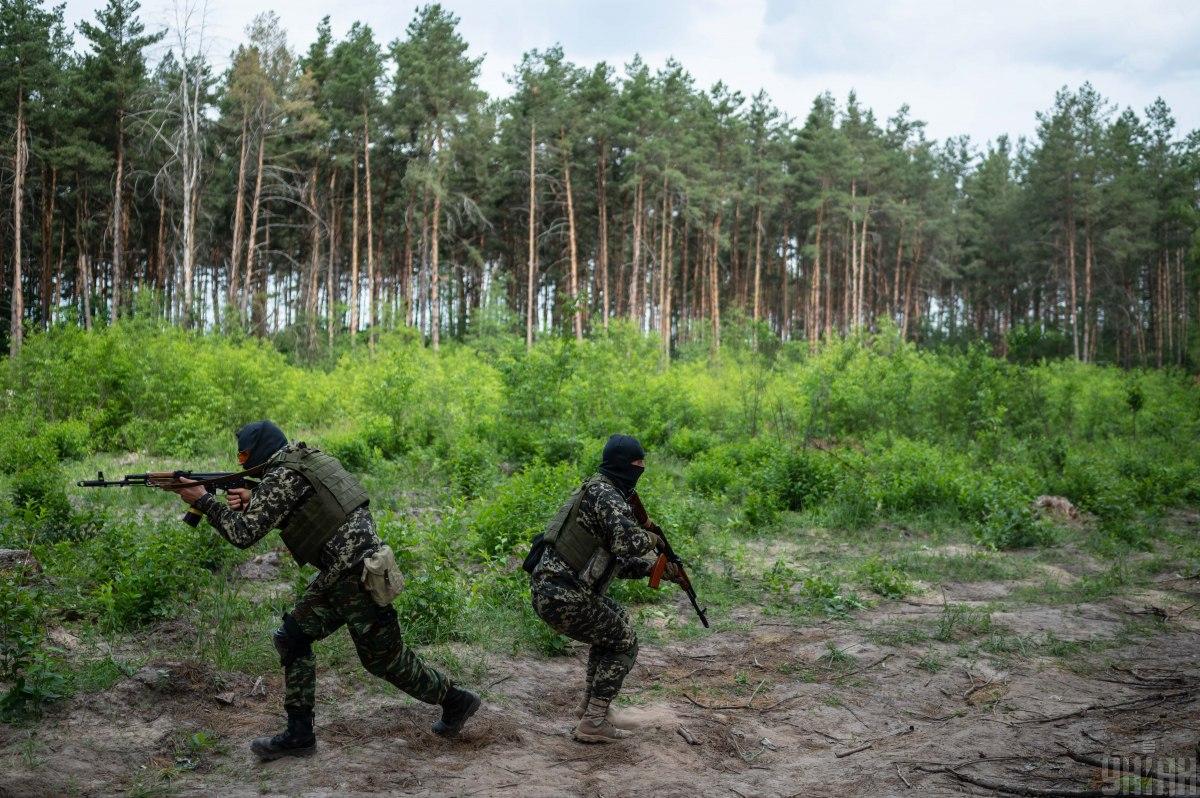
x=617 y=462
x=260 y=439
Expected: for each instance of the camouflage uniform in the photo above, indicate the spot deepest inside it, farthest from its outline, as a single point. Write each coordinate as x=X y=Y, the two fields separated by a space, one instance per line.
x=335 y=597
x=587 y=614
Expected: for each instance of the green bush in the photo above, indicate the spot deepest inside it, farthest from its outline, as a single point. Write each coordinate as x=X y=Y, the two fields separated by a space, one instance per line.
x=884 y=580
x=430 y=604
x=522 y=507
x=24 y=662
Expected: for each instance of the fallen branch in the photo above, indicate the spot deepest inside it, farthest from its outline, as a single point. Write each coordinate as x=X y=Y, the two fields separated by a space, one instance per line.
x=859 y=749
x=687 y=735
x=907 y=784
x=1119 y=764
x=1036 y=792
x=865 y=667
x=1158 y=698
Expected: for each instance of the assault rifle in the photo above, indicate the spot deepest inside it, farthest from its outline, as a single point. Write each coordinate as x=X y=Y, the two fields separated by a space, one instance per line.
x=668 y=555
x=173 y=480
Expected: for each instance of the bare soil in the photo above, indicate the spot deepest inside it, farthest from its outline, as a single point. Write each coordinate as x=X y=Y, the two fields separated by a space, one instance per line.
x=853 y=707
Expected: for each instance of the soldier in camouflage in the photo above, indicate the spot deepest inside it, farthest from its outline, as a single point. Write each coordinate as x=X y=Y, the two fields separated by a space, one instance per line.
x=593 y=539
x=324 y=519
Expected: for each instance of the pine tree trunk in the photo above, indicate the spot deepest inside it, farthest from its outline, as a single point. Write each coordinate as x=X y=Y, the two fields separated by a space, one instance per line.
x=572 y=243
x=714 y=285
x=60 y=262
x=1074 y=317
x=757 y=261
x=252 y=233
x=118 y=263
x=635 y=301
x=314 y=264
x=406 y=275
x=435 y=274
x=785 y=325
x=862 y=268
x=45 y=286
x=1087 y=292
x=354 y=257
x=667 y=278
x=814 y=288
x=602 y=220
x=82 y=280
x=239 y=214
x=330 y=271
x=374 y=322
x=17 y=300
x=532 y=266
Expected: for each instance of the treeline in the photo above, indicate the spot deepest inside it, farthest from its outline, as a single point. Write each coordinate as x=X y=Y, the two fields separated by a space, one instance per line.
x=363 y=185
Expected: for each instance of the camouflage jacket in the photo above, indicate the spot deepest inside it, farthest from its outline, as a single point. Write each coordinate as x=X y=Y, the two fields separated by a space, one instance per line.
x=282 y=490
x=605 y=513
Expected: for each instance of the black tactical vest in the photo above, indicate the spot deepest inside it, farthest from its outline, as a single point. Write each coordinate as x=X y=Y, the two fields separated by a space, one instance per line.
x=310 y=526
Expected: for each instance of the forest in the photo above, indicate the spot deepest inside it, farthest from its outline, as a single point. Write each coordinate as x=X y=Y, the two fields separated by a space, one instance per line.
x=359 y=186
x=920 y=417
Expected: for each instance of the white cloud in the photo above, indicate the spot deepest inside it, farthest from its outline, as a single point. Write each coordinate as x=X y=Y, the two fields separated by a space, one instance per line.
x=964 y=67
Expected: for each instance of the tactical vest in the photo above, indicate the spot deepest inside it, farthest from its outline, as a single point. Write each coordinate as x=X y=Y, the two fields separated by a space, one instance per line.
x=578 y=547
x=310 y=526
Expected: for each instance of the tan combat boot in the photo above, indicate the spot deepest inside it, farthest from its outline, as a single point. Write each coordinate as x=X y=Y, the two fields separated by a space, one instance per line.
x=583 y=703
x=618 y=718
x=594 y=726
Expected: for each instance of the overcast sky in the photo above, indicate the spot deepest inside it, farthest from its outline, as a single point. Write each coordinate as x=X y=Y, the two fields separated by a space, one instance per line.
x=980 y=68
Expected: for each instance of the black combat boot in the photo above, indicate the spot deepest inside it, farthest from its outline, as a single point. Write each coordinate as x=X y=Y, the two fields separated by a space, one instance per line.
x=297 y=740
x=457 y=706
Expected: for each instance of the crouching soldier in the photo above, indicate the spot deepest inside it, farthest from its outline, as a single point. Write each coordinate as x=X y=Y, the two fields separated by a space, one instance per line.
x=321 y=511
x=591 y=540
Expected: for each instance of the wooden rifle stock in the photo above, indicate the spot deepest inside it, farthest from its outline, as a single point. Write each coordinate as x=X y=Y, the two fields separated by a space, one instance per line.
x=665 y=557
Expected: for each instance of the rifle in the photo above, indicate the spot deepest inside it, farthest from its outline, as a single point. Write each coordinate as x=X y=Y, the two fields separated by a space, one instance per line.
x=668 y=555
x=172 y=480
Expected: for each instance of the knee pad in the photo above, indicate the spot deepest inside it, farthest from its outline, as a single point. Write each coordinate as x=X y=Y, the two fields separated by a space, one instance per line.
x=290 y=641
x=628 y=656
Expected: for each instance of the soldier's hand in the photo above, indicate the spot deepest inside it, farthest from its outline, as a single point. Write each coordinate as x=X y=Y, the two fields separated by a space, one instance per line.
x=191 y=490
x=659 y=543
x=238 y=499
x=673 y=573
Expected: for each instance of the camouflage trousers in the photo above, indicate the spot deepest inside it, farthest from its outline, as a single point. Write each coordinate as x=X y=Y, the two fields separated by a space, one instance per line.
x=573 y=610
x=376 y=634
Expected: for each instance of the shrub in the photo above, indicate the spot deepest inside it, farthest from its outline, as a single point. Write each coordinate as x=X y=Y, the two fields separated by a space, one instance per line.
x=521 y=508
x=24 y=663
x=712 y=473
x=884 y=580
x=430 y=605
x=829 y=595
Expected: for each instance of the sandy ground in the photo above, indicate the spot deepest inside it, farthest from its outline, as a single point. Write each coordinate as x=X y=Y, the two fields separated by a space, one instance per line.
x=757 y=712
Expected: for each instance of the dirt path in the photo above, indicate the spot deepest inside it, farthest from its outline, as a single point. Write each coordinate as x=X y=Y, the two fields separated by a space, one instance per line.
x=777 y=710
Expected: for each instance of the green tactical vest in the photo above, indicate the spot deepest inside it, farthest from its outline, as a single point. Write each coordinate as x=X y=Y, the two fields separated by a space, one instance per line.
x=577 y=546
x=310 y=526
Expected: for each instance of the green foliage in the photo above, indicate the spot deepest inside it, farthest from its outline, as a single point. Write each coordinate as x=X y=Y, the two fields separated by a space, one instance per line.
x=470 y=451
x=829 y=595
x=24 y=663
x=521 y=507
x=885 y=580
x=430 y=604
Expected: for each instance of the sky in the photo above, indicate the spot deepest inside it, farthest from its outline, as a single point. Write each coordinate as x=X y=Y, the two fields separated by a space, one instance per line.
x=963 y=66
